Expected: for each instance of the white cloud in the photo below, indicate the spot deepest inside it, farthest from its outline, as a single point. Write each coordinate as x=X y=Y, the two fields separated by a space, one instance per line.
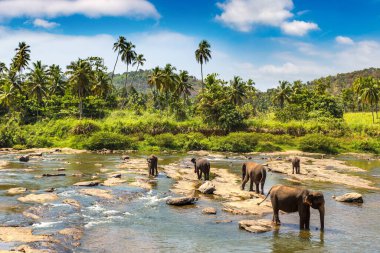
x=38 y=22
x=243 y=15
x=90 y=8
x=298 y=28
x=344 y=40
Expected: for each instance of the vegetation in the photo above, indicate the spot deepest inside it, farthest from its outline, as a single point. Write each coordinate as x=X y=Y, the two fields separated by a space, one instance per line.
x=86 y=106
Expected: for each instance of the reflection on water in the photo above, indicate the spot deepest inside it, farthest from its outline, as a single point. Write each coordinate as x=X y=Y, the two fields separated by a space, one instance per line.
x=145 y=223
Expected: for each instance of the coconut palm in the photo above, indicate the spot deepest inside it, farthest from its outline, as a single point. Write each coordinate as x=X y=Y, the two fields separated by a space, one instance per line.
x=22 y=57
x=118 y=47
x=238 y=90
x=57 y=83
x=37 y=79
x=156 y=79
x=170 y=78
x=7 y=94
x=368 y=90
x=184 y=86
x=102 y=86
x=139 y=61
x=283 y=92
x=127 y=56
x=203 y=54
x=81 y=78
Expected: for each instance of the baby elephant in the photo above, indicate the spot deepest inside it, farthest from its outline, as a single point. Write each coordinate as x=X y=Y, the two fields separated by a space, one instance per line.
x=296 y=165
x=256 y=172
x=295 y=199
x=152 y=165
x=201 y=165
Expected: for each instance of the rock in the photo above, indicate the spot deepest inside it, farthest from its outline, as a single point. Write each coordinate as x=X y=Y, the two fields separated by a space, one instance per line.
x=116 y=175
x=75 y=233
x=18 y=190
x=28 y=249
x=352 y=197
x=98 y=164
x=207 y=188
x=61 y=169
x=113 y=181
x=31 y=215
x=72 y=202
x=35 y=154
x=57 y=150
x=39 y=198
x=125 y=157
x=50 y=190
x=77 y=175
x=181 y=201
x=97 y=193
x=209 y=210
x=24 y=158
x=256 y=226
x=20 y=234
x=54 y=175
x=88 y=183
x=198 y=153
x=222 y=221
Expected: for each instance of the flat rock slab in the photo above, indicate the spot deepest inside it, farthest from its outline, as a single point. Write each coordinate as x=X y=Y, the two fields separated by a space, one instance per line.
x=181 y=201
x=209 y=210
x=114 y=181
x=97 y=193
x=20 y=234
x=17 y=190
x=207 y=188
x=256 y=226
x=72 y=202
x=352 y=197
x=39 y=198
x=54 y=175
x=88 y=183
x=247 y=207
x=74 y=233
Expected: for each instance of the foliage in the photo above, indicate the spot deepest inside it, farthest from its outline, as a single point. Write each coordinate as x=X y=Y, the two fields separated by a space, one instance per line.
x=319 y=143
x=109 y=140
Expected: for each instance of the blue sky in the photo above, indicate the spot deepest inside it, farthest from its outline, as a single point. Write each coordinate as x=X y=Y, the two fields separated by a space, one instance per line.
x=266 y=40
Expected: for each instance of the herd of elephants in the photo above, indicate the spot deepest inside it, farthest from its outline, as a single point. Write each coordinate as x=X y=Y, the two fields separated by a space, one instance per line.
x=285 y=198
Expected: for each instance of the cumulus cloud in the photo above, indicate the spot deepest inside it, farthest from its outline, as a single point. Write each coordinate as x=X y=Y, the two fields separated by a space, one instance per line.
x=298 y=28
x=38 y=22
x=90 y=8
x=344 y=40
x=244 y=15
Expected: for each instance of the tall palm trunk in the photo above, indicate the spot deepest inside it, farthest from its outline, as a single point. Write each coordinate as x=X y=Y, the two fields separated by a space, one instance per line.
x=126 y=78
x=114 y=67
x=373 y=116
x=202 y=76
x=80 y=108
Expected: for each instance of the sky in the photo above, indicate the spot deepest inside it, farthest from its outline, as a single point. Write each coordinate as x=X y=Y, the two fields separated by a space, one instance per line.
x=264 y=40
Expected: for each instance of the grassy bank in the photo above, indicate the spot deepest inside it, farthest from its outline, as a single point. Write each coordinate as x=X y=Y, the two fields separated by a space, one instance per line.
x=126 y=130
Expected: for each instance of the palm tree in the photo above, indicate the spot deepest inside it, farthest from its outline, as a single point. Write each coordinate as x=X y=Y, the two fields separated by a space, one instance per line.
x=184 y=86
x=38 y=79
x=118 y=47
x=156 y=79
x=57 y=83
x=81 y=78
x=127 y=56
x=19 y=62
x=203 y=55
x=170 y=78
x=238 y=90
x=102 y=86
x=282 y=93
x=139 y=61
x=368 y=90
x=7 y=94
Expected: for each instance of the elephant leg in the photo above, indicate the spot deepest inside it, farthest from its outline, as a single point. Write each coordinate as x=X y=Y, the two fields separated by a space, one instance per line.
x=200 y=174
x=276 y=216
x=251 y=184
x=293 y=170
x=262 y=188
x=207 y=175
x=246 y=178
x=299 y=170
x=257 y=188
x=307 y=219
x=156 y=171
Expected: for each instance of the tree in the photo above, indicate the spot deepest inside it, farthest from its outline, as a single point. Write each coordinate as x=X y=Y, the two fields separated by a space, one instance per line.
x=127 y=56
x=7 y=95
x=203 y=55
x=38 y=80
x=118 y=47
x=81 y=78
x=19 y=62
x=282 y=93
x=156 y=79
x=139 y=61
x=368 y=89
x=184 y=87
x=238 y=90
x=57 y=83
x=170 y=79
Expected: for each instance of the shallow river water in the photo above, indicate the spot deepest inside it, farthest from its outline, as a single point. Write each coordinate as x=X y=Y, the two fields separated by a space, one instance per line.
x=142 y=222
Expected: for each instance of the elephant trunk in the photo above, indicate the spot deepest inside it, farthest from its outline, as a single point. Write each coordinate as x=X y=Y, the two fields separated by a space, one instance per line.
x=322 y=216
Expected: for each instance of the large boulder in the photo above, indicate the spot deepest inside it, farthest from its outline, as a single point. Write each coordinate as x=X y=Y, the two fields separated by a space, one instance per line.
x=88 y=183
x=97 y=193
x=181 y=201
x=207 y=188
x=39 y=198
x=209 y=210
x=17 y=190
x=72 y=202
x=24 y=158
x=256 y=226
x=352 y=197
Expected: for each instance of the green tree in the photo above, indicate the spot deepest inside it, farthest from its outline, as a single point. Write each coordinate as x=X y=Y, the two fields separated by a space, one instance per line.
x=139 y=61
x=37 y=80
x=238 y=90
x=184 y=86
x=57 y=83
x=367 y=89
x=128 y=54
x=7 y=95
x=156 y=79
x=283 y=92
x=203 y=55
x=118 y=47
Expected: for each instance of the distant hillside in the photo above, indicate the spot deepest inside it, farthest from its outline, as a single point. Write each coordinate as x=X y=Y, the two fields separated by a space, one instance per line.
x=345 y=80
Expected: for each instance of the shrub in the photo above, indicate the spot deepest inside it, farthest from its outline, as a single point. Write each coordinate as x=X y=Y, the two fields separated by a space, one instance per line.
x=84 y=127
x=39 y=142
x=267 y=147
x=319 y=143
x=234 y=142
x=371 y=146
x=109 y=140
x=19 y=147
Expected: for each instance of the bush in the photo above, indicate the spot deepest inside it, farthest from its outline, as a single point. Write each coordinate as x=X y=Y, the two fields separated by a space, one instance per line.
x=235 y=142
x=370 y=146
x=319 y=143
x=84 y=127
x=39 y=142
x=267 y=147
x=19 y=147
x=109 y=140
x=291 y=112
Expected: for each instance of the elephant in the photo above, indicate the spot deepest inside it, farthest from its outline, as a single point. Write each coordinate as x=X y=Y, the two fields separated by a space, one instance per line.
x=296 y=165
x=256 y=172
x=152 y=165
x=292 y=199
x=201 y=165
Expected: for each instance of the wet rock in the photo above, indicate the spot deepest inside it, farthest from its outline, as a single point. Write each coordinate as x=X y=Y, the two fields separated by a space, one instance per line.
x=39 y=198
x=77 y=175
x=54 y=175
x=113 y=181
x=17 y=190
x=207 y=188
x=36 y=154
x=209 y=210
x=97 y=193
x=116 y=175
x=88 y=183
x=50 y=190
x=31 y=215
x=57 y=150
x=73 y=234
x=72 y=202
x=181 y=201
x=222 y=221
x=61 y=169
x=24 y=158
x=256 y=226
x=29 y=249
x=352 y=197
x=20 y=234
x=98 y=164
x=199 y=153
x=125 y=157
x=236 y=211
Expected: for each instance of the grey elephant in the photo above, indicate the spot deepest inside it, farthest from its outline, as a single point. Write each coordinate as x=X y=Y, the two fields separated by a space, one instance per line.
x=152 y=165
x=296 y=165
x=295 y=199
x=201 y=165
x=256 y=172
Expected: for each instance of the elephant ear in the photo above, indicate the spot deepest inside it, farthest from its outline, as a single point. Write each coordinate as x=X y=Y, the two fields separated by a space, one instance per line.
x=307 y=200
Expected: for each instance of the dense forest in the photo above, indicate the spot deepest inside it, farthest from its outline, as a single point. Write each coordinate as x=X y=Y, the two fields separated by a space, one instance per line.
x=89 y=106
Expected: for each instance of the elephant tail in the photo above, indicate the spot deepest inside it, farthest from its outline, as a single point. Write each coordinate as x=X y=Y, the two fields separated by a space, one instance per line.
x=263 y=174
x=243 y=171
x=265 y=196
